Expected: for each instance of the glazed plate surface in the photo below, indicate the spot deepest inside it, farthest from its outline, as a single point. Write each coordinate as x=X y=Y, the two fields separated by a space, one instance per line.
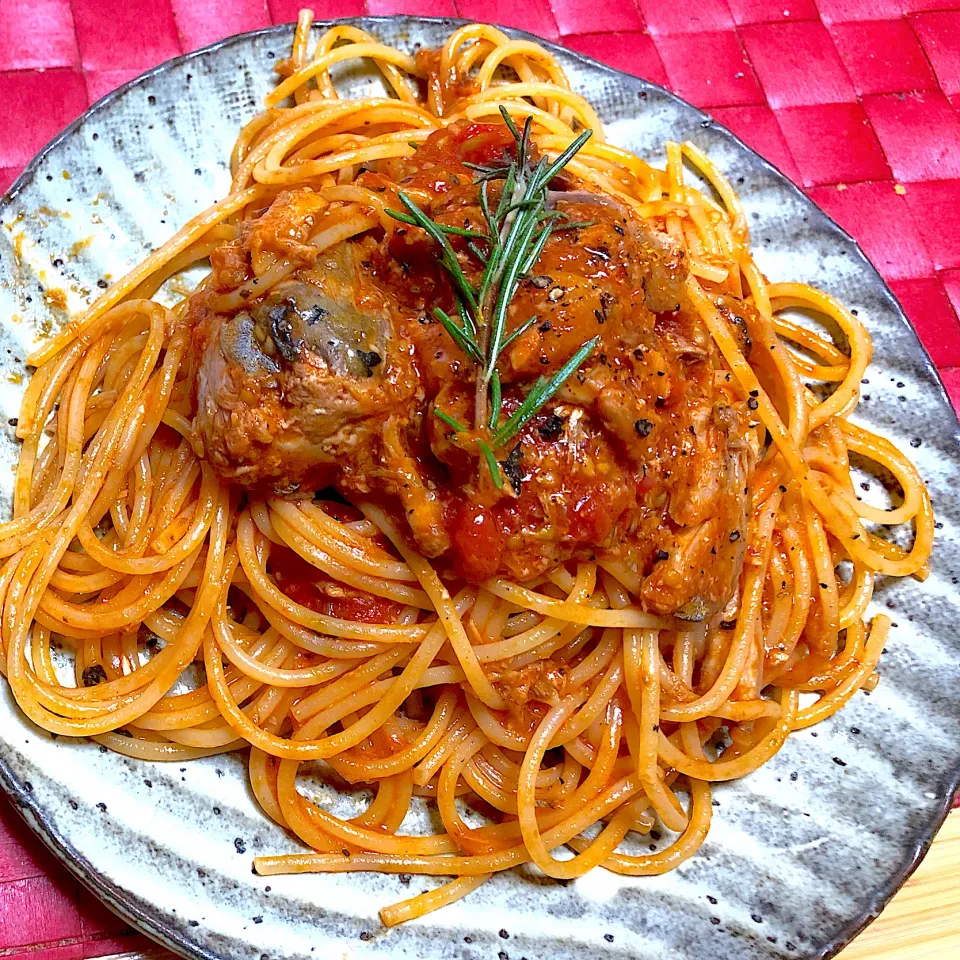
x=801 y=854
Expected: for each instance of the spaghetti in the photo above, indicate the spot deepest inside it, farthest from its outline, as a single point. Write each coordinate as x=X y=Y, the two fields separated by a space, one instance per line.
x=130 y=551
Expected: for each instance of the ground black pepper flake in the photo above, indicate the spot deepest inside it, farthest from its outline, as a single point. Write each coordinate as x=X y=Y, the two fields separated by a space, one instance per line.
x=728 y=624
x=365 y=935
x=712 y=900
x=240 y=845
x=643 y=427
x=504 y=935
x=756 y=918
x=734 y=536
x=661 y=555
x=608 y=937
x=513 y=468
x=551 y=428
x=753 y=403
x=715 y=921
x=839 y=762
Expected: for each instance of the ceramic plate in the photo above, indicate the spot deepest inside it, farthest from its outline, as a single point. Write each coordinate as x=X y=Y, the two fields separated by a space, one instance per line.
x=802 y=854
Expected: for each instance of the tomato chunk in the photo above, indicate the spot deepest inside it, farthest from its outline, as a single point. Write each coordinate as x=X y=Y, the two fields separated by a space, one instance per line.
x=305 y=584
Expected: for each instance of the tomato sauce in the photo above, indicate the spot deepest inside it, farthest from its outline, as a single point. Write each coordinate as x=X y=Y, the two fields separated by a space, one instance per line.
x=305 y=584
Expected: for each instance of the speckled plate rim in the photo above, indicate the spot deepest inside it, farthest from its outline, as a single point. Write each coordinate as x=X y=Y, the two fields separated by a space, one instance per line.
x=129 y=906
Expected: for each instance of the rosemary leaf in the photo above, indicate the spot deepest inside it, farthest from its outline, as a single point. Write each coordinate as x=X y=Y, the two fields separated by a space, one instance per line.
x=511 y=126
x=509 y=183
x=462 y=339
x=446 y=228
x=542 y=178
x=462 y=232
x=485 y=210
x=540 y=241
x=449 y=421
x=492 y=464
x=542 y=391
x=574 y=225
x=467 y=323
x=477 y=252
x=519 y=332
x=524 y=150
x=448 y=258
x=498 y=174
x=496 y=399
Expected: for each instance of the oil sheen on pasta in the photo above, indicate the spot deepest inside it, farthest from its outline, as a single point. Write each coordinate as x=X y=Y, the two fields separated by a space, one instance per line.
x=256 y=480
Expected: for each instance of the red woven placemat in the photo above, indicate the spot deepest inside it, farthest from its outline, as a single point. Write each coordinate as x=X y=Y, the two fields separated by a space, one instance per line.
x=858 y=101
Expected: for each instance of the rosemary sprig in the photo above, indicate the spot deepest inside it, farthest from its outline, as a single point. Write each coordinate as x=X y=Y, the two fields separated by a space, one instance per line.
x=515 y=237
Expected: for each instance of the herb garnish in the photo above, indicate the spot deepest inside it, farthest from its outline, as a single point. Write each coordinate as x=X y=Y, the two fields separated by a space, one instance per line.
x=516 y=233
